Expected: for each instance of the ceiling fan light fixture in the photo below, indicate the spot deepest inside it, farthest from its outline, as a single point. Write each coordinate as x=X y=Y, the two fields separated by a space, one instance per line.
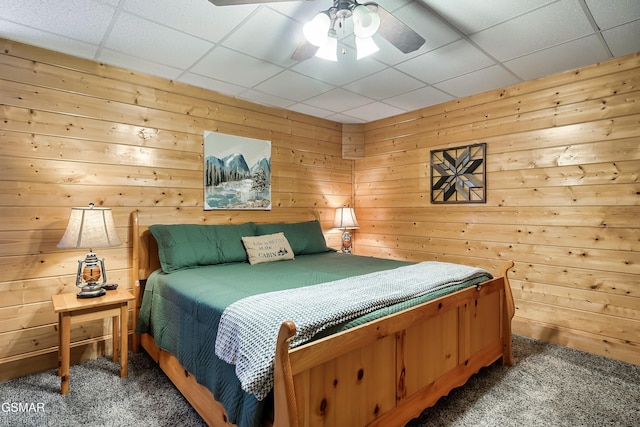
x=365 y=22
x=316 y=31
x=329 y=50
x=365 y=47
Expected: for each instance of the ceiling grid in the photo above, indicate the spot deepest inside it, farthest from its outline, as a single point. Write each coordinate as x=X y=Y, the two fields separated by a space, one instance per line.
x=245 y=51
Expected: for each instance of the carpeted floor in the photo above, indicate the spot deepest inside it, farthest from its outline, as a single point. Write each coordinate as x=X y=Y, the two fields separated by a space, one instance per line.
x=549 y=386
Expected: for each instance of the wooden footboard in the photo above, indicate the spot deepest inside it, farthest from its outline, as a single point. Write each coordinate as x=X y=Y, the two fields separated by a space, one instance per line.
x=383 y=373
x=386 y=372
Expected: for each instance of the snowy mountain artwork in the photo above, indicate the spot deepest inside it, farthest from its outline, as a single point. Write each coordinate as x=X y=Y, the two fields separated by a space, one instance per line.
x=237 y=172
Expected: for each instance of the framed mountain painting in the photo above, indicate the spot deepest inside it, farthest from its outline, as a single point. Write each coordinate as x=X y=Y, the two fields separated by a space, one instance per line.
x=237 y=172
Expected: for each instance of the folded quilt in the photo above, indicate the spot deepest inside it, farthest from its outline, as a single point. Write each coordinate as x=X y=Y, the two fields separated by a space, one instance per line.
x=248 y=329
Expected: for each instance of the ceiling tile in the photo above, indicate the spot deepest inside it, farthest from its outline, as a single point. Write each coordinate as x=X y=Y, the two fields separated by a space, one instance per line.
x=196 y=17
x=394 y=5
x=234 y=67
x=478 y=81
x=265 y=99
x=308 y=109
x=155 y=42
x=245 y=50
x=267 y=35
x=375 y=110
x=412 y=13
x=384 y=84
x=136 y=63
x=419 y=98
x=623 y=40
x=338 y=100
x=548 y=26
x=84 y=20
x=301 y=11
x=28 y=35
x=471 y=16
x=566 y=56
x=435 y=32
x=343 y=118
x=293 y=86
x=391 y=55
x=447 y=62
x=346 y=70
x=211 y=84
x=609 y=14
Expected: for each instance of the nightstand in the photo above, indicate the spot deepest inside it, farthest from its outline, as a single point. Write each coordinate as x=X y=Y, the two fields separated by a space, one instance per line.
x=70 y=308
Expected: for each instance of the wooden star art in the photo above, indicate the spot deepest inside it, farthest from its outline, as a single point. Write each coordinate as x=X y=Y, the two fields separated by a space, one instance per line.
x=458 y=174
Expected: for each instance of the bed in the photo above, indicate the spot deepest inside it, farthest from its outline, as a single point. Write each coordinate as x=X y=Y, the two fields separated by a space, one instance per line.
x=381 y=368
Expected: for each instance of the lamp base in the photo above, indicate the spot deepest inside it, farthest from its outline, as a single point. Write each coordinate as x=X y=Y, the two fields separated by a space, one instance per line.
x=346 y=242
x=91 y=293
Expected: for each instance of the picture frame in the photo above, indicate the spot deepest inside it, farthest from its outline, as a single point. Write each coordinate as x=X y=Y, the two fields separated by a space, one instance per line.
x=237 y=172
x=458 y=174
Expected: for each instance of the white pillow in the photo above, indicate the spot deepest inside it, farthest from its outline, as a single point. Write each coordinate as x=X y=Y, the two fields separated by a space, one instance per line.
x=267 y=248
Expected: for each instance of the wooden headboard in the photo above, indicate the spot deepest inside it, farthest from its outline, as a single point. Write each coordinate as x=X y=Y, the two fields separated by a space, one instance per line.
x=145 y=248
x=145 y=251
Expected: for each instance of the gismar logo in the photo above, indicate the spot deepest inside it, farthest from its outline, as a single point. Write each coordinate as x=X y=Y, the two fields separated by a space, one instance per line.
x=22 y=407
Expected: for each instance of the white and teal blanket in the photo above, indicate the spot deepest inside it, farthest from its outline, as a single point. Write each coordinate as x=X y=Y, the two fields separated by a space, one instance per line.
x=248 y=329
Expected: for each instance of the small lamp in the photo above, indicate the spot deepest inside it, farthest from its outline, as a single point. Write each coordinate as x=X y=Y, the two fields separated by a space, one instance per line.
x=90 y=228
x=346 y=220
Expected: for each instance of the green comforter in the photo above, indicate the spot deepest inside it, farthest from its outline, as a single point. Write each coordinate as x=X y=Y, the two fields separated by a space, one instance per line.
x=181 y=310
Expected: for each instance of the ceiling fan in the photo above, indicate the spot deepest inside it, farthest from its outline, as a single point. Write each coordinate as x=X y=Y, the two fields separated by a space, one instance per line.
x=369 y=18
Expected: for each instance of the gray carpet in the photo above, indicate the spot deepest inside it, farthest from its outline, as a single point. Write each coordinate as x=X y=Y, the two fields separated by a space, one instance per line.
x=549 y=386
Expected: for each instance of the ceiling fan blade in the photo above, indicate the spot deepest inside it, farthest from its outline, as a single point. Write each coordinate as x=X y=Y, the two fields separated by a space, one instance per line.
x=304 y=51
x=397 y=33
x=237 y=2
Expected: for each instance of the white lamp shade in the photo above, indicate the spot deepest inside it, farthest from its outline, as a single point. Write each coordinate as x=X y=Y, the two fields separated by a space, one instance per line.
x=365 y=22
x=316 y=30
x=346 y=219
x=329 y=50
x=365 y=47
x=90 y=228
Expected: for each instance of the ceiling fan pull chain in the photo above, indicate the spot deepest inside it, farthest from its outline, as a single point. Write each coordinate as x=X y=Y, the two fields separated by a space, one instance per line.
x=341 y=19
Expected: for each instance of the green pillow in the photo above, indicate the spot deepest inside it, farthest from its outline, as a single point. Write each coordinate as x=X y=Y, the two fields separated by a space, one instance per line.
x=183 y=246
x=304 y=237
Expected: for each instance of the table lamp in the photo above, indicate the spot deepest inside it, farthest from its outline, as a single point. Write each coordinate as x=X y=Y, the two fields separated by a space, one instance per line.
x=346 y=220
x=90 y=228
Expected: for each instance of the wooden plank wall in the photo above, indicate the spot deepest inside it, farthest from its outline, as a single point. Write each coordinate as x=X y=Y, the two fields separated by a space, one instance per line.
x=563 y=199
x=74 y=131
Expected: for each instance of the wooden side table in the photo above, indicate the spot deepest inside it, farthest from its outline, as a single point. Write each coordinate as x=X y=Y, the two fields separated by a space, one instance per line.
x=71 y=308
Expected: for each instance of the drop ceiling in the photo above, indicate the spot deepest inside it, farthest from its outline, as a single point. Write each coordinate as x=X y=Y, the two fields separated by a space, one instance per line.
x=245 y=51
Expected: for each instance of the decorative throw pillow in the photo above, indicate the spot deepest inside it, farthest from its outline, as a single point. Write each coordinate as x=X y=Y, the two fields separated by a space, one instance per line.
x=267 y=248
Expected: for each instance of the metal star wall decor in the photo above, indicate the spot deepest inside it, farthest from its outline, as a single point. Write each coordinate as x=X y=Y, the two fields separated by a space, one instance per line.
x=458 y=174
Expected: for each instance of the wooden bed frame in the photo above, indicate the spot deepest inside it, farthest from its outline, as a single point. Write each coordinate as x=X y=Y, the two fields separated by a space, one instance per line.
x=383 y=373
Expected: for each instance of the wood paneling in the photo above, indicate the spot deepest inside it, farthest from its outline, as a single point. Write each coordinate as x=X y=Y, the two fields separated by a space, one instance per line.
x=73 y=131
x=352 y=141
x=563 y=199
